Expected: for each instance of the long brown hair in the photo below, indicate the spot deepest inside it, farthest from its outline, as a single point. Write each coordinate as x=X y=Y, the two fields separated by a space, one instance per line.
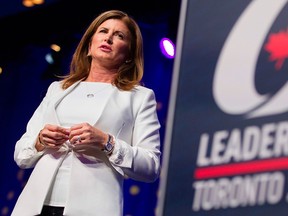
x=129 y=74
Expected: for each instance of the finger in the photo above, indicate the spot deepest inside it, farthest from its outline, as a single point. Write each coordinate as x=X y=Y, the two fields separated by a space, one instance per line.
x=78 y=139
x=76 y=127
x=51 y=137
x=50 y=127
x=55 y=128
x=65 y=131
x=74 y=133
x=54 y=138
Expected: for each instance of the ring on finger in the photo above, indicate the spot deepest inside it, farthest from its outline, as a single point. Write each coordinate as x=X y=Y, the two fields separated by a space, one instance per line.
x=79 y=138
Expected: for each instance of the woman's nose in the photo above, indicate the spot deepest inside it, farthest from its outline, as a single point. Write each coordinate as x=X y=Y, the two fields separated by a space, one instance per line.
x=108 y=39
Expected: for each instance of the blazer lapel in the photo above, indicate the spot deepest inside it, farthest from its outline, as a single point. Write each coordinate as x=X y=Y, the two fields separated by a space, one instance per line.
x=117 y=109
x=51 y=109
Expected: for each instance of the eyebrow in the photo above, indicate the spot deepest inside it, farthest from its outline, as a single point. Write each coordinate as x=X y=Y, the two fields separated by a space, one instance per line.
x=117 y=31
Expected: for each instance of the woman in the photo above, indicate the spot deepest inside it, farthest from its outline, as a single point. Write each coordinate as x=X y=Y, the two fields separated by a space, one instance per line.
x=92 y=128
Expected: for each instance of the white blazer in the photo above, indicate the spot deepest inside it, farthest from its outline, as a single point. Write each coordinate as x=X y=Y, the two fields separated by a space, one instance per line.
x=96 y=180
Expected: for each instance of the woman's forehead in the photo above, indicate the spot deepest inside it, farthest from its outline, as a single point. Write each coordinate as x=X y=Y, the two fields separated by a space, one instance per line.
x=116 y=24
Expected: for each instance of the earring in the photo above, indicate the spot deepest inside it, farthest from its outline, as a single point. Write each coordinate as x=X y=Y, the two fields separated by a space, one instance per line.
x=128 y=61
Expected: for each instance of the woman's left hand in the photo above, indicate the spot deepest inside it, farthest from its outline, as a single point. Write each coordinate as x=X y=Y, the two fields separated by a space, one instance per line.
x=84 y=133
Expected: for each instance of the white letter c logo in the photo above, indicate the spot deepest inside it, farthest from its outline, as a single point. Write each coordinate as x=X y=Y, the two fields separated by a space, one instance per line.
x=233 y=87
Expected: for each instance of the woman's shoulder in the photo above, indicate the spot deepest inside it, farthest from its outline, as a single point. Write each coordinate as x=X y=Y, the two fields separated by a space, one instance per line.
x=143 y=92
x=143 y=89
x=55 y=86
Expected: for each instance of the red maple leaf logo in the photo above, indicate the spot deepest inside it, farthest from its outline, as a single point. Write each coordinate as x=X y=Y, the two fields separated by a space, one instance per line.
x=277 y=46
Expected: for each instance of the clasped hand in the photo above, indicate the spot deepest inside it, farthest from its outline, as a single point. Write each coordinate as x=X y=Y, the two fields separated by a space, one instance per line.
x=54 y=136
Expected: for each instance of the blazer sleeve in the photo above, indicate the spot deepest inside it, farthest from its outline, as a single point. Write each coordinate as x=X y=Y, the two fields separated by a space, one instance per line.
x=25 y=153
x=141 y=159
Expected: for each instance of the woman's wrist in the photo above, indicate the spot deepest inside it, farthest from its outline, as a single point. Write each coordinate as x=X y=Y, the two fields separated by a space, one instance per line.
x=109 y=144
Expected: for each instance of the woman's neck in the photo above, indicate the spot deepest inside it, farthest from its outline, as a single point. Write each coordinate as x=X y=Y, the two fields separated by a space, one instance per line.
x=101 y=74
x=100 y=77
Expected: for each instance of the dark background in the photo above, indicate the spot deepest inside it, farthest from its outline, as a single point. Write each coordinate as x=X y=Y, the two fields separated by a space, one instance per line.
x=26 y=35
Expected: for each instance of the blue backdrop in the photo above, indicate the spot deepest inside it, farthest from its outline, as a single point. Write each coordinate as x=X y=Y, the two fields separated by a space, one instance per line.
x=227 y=144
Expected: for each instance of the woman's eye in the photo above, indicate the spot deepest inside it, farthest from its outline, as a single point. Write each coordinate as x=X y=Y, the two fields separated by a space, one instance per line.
x=102 y=31
x=120 y=36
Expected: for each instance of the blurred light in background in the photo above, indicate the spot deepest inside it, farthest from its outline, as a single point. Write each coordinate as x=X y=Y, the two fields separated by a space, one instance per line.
x=31 y=3
x=52 y=56
x=167 y=48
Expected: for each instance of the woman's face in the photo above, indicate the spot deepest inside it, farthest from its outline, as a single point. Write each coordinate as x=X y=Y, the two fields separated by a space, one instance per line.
x=110 y=43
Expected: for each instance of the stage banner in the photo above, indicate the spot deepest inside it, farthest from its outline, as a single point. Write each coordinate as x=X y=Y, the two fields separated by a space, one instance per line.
x=226 y=140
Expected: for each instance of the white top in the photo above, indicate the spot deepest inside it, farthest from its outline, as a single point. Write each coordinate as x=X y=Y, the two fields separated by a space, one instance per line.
x=87 y=97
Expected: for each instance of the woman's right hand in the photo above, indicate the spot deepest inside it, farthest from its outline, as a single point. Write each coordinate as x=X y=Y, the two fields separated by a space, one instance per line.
x=53 y=136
